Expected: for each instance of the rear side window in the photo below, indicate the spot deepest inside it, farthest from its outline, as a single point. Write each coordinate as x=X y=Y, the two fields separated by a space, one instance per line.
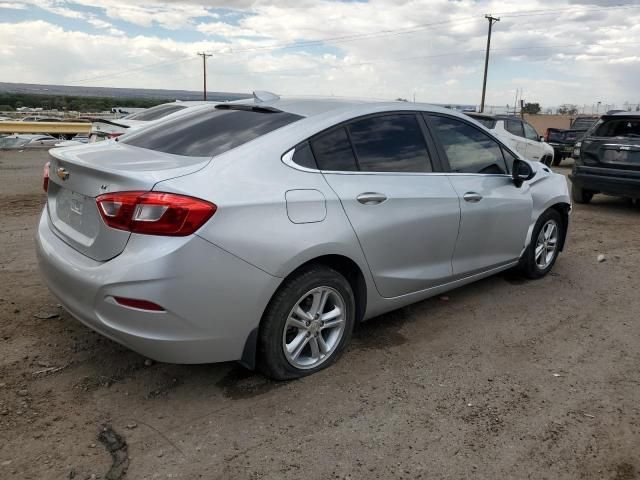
x=154 y=113
x=514 y=127
x=333 y=151
x=211 y=132
x=468 y=149
x=618 y=128
x=390 y=143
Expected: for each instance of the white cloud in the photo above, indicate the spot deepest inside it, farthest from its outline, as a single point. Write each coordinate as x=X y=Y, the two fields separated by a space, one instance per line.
x=13 y=6
x=586 y=50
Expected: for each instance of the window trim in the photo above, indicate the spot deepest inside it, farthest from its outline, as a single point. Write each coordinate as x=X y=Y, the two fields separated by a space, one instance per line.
x=430 y=145
x=443 y=154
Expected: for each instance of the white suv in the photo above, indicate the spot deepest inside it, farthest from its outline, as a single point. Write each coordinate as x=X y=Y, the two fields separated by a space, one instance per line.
x=518 y=134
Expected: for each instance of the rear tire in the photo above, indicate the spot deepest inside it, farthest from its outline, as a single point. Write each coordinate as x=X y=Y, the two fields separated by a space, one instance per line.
x=542 y=252
x=580 y=195
x=556 y=160
x=298 y=336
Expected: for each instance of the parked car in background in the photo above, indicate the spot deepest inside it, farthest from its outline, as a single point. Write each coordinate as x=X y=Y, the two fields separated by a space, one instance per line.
x=563 y=140
x=103 y=128
x=27 y=141
x=518 y=134
x=40 y=118
x=79 y=139
x=607 y=159
x=263 y=231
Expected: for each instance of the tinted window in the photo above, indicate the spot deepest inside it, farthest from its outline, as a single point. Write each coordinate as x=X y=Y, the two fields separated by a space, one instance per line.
x=530 y=132
x=390 y=143
x=210 y=132
x=333 y=151
x=583 y=123
x=468 y=149
x=303 y=156
x=514 y=127
x=154 y=113
x=619 y=128
x=486 y=121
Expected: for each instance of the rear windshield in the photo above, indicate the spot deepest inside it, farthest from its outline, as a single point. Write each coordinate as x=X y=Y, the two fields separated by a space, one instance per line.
x=154 y=113
x=583 y=123
x=618 y=128
x=486 y=121
x=211 y=132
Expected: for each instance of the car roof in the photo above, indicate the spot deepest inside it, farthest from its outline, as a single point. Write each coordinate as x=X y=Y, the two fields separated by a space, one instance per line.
x=623 y=114
x=311 y=106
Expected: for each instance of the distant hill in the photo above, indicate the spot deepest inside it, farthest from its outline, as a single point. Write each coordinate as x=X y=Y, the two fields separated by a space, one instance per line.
x=120 y=93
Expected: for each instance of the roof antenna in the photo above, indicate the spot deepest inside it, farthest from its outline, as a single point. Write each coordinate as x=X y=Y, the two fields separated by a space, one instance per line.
x=261 y=96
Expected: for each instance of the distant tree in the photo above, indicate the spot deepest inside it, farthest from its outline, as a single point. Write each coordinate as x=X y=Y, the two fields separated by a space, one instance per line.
x=568 y=109
x=531 y=108
x=6 y=108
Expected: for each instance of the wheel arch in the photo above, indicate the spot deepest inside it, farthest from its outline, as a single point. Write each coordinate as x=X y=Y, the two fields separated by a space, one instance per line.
x=340 y=263
x=563 y=209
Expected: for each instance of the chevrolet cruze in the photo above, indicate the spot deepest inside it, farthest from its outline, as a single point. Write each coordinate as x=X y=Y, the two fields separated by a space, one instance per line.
x=263 y=230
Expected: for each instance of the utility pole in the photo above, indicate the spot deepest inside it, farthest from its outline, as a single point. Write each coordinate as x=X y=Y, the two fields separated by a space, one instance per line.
x=492 y=20
x=204 y=72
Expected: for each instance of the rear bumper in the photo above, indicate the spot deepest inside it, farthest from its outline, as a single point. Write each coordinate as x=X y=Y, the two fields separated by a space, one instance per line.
x=606 y=180
x=562 y=149
x=212 y=299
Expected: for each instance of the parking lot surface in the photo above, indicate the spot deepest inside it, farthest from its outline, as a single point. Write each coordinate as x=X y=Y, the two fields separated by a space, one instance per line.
x=504 y=378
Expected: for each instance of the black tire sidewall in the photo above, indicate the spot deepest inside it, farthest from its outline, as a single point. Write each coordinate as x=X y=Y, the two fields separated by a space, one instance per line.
x=271 y=359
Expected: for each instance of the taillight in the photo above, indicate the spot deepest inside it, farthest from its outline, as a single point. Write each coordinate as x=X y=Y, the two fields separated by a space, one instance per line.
x=154 y=213
x=546 y=135
x=115 y=135
x=45 y=176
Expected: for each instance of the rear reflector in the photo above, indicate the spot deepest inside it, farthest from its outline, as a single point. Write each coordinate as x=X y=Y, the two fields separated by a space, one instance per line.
x=139 y=304
x=45 y=176
x=154 y=213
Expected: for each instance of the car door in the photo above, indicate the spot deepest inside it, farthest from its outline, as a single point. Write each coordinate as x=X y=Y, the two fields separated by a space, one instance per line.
x=405 y=216
x=495 y=213
x=514 y=127
x=535 y=148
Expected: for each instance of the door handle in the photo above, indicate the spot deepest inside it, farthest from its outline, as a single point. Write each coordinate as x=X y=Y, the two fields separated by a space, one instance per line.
x=472 y=197
x=371 y=198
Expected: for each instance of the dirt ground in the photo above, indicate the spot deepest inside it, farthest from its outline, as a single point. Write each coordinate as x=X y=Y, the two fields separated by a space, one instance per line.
x=505 y=378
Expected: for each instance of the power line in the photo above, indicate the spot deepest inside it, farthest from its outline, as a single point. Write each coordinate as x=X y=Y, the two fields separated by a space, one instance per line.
x=355 y=37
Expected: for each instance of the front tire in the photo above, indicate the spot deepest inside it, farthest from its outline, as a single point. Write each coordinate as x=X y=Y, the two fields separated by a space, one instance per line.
x=543 y=250
x=307 y=324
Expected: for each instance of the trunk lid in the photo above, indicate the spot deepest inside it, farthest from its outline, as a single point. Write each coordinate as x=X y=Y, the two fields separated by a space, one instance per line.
x=79 y=174
x=612 y=153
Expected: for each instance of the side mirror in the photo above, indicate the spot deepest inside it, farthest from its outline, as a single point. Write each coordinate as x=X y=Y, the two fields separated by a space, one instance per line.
x=541 y=138
x=521 y=172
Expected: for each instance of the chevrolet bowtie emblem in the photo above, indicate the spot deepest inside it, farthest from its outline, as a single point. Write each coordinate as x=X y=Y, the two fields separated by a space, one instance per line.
x=62 y=173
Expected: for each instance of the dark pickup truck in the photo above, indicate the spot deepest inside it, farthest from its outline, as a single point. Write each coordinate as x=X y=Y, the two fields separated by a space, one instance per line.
x=563 y=141
x=608 y=159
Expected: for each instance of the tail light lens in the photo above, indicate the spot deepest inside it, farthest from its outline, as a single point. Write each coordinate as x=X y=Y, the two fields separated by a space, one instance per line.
x=546 y=135
x=139 y=304
x=115 y=135
x=45 y=176
x=154 y=213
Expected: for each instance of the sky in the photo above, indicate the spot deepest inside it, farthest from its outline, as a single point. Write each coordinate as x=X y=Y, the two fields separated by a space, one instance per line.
x=553 y=51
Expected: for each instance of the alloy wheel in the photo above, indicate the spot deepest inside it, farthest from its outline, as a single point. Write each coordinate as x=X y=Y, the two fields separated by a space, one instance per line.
x=546 y=244
x=314 y=328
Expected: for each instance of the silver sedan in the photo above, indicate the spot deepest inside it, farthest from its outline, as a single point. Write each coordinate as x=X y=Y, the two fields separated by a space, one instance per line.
x=263 y=230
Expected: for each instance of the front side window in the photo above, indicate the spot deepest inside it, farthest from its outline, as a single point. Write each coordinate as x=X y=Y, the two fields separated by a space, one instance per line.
x=530 y=132
x=207 y=133
x=468 y=149
x=514 y=127
x=390 y=143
